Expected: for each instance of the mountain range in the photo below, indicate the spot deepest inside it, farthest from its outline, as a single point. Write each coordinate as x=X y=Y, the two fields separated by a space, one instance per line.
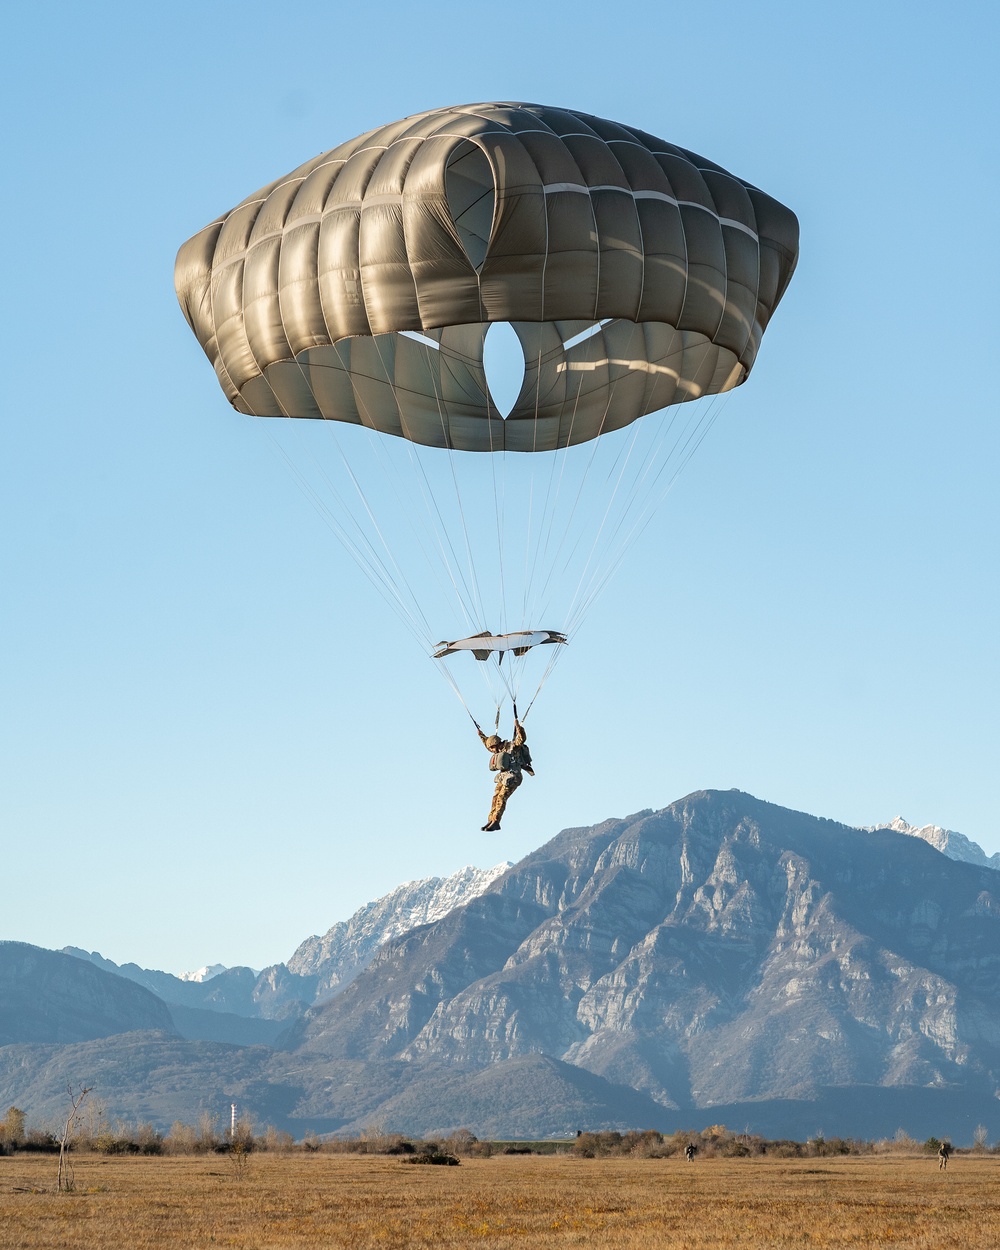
x=243 y=1006
x=720 y=960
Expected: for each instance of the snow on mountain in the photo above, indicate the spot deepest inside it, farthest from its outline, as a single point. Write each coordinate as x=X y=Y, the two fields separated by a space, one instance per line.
x=349 y=946
x=954 y=845
x=202 y=974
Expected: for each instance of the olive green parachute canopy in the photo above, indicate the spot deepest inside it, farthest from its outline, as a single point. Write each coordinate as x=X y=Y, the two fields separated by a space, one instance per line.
x=360 y=287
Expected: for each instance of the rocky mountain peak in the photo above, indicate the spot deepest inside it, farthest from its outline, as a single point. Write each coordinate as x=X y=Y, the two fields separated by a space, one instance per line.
x=337 y=956
x=954 y=845
x=719 y=950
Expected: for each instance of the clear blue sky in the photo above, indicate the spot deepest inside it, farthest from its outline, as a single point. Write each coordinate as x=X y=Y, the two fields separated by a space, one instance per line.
x=215 y=740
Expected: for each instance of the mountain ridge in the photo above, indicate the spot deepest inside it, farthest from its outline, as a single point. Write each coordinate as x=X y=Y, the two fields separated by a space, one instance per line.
x=585 y=970
x=48 y=996
x=722 y=952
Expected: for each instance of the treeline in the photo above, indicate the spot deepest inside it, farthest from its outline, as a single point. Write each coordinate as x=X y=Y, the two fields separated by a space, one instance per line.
x=96 y=1133
x=719 y=1142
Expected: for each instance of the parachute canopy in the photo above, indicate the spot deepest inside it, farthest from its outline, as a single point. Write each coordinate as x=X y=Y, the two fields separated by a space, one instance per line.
x=359 y=291
x=359 y=287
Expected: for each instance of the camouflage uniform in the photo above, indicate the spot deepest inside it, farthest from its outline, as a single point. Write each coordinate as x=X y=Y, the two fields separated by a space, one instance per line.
x=510 y=778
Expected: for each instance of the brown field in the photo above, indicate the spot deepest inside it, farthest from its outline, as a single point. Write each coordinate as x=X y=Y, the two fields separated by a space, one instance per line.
x=361 y=1201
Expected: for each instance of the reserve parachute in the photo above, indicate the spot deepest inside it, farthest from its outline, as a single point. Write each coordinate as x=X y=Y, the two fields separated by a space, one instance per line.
x=362 y=294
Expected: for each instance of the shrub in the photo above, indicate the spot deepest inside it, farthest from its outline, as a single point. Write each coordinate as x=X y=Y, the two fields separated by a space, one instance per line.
x=239 y=1160
x=243 y=1136
x=374 y=1139
x=461 y=1142
x=108 y=1143
x=148 y=1139
x=140 y=1139
x=181 y=1139
x=645 y=1145
x=371 y=1144
x=432 y=1156
x=40 y=1142
x=276 y=1141
x=597 y=1145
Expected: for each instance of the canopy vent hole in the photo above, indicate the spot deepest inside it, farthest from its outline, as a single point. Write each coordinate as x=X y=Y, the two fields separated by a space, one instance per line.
x=503 y=364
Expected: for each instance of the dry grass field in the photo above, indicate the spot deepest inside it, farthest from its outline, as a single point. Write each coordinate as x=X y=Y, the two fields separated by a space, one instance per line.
x=327 y=1200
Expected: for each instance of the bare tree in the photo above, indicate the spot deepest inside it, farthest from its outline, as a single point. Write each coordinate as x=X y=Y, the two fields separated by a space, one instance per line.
x=64 y=1179
x=208 y=1133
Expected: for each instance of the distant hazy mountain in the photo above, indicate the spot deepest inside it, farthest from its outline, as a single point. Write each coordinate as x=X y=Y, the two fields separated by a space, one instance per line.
x=720 y=960
x=203 y=974
x=164 y=984
x=46 y=996
x=954 y=845
x=247 y=1007
x=141 y=1076
x=234 y=1005
x=337 y=957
